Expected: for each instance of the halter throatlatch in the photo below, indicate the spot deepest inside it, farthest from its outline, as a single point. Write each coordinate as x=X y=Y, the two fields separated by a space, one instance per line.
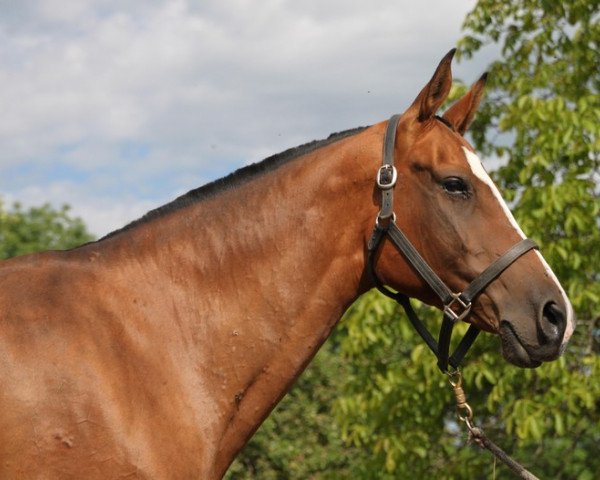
x=456 y=306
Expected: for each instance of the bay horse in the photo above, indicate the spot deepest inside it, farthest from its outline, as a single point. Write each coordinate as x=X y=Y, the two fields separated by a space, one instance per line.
x=156 y=352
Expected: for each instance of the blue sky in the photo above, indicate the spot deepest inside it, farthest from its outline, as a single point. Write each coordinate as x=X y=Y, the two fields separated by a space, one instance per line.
x=116 y=107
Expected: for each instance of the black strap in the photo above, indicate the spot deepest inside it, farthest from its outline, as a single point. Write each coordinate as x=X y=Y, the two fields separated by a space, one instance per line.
x=463 y=347
x=420 y=265
x=386 y=185
x=417 y=324
x=444 y=343
x=496 y=268
x=468 y=295
x=466 y=342
x=390 y=139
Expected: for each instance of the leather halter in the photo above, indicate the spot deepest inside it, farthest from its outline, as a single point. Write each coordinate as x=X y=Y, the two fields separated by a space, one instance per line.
x=456 y=306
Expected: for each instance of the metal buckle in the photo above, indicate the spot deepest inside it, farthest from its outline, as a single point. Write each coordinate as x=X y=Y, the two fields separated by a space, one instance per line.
x=451 y=313
x=384 y=182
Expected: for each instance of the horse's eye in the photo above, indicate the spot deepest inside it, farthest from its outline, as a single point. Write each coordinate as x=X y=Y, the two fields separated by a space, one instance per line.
x=455 y=186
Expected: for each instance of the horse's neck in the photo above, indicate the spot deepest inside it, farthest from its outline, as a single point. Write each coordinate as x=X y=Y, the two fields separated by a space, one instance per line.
x=269 y=268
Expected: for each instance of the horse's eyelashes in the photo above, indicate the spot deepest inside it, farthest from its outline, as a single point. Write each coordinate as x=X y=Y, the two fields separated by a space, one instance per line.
x=455 y=186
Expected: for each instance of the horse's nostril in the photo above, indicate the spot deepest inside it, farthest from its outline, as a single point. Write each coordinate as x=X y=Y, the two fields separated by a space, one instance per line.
x=553 y=323
x=554 y=314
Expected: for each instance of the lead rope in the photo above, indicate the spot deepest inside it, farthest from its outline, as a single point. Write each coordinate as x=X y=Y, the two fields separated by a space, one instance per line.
x=464 y=412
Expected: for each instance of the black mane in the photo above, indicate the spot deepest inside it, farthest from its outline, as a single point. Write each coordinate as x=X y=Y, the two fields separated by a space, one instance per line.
x=235 y=179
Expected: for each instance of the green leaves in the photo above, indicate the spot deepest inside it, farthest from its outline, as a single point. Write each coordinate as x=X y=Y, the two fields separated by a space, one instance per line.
x=392 y=404
x=542 y=116
x=38 y=228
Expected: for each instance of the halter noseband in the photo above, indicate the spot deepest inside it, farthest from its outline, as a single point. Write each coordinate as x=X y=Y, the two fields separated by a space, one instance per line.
x=386 y=179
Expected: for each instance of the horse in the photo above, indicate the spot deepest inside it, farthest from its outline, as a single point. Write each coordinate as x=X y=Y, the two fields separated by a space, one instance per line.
x=158 y=350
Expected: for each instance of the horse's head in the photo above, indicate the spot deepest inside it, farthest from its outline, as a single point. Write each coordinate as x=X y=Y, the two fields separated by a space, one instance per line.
x=451 y=210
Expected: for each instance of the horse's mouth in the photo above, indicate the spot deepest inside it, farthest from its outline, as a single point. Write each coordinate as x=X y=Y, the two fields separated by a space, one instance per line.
x=513 y=349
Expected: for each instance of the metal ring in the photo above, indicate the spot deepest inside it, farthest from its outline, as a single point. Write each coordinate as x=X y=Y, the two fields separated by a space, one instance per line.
x=378 y=225
x=455 y=317
x=469 y=422
x=469 y=412
x=452 y=375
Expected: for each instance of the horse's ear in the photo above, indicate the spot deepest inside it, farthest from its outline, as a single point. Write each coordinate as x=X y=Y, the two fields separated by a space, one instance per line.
x=461 y=113
x=435 y=92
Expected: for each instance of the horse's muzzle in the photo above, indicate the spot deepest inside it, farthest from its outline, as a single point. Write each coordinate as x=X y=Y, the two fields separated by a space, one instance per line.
x=545 y=344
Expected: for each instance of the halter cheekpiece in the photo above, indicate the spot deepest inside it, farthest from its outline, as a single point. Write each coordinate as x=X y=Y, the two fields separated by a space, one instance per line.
x=456 y=306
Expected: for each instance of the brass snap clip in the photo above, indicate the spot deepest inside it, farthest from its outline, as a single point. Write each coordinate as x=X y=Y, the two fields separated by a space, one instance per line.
x=464 y=412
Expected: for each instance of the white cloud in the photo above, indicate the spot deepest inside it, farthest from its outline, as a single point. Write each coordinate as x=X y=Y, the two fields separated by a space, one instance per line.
x=198 y=87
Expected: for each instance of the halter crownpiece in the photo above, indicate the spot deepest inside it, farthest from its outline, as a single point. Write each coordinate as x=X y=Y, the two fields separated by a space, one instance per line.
x=456 y=306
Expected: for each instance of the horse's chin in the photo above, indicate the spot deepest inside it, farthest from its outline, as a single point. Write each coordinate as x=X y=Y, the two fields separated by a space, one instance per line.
x=513 y=350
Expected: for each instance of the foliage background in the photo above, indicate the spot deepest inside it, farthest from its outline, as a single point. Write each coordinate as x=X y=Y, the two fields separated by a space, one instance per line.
x=38 y=228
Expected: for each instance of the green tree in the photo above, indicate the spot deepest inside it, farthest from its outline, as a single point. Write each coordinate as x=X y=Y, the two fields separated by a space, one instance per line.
x=38 y=228
x=542 y=118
